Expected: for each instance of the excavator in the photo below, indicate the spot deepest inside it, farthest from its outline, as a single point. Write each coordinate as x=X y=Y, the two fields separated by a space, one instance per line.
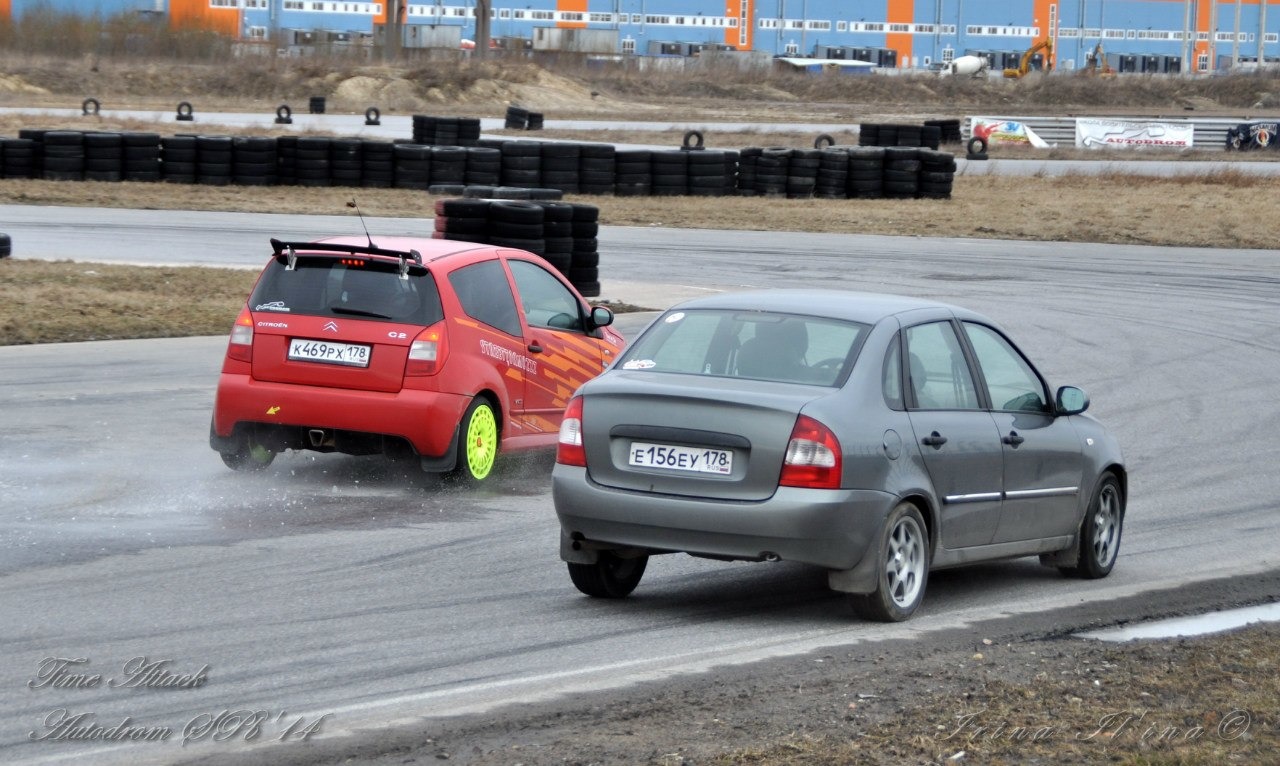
x=1095 y=63
x=1024 y=66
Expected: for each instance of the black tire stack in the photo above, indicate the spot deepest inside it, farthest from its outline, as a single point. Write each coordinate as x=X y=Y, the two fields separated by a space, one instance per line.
x=412 y=166
x=557 y=234
x=484 y=166
x=312 y=167
x=63 y=152
x=518 y=224
x=255 y=162
x=560 y=166
x=833 y=174
x=802 y=173
x=748 y=162
x=465 y=220
x=937 y=174
x=178 y=156
x=584 y=266
x=517 y=118
x=731 y=159
x=141 y=157
x=866 y=172
x=521 y=164
x=706 y=173
x=670 y=171
x=287 y=160
x=931 y=134
x=377 y=164
x=772 y=168
x=535 y=121
x=19 y=158
x=633 y=173
x=346 y=161
x=316 y=104
x=597 y=167
x=214 y=157
x=868 y=134
x=103 y=157
x=6 y=246
x=468 y=131
x=448 y=168
x=901 y=172
x=909 y=135
x=948 y=131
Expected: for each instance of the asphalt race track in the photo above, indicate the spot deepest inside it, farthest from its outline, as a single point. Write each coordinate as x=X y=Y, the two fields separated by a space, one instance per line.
x=347 y=594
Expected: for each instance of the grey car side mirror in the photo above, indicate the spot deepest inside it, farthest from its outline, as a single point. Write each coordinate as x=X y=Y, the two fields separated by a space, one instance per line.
x=1071 y=401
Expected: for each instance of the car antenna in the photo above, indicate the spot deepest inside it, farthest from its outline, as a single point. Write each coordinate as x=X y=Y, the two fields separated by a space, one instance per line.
x=353 y=204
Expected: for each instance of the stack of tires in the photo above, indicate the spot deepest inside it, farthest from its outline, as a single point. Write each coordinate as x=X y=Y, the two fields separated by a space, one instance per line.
x=214 y=156
x=178 y=159
x=18 y=158
x=706 y=173
x=517 y=118
x=484 y=166
x=584 y=266
x=521 y=164
x=866 y=172
x=448 y=169
x=597 y=166
x=254 y=161
x=287 y=160
x=412 y=166
x=948 y=131
x=103 y=156
x=670 y=171
x=377 y=164
x=562 y=233
x=748 y=161
x=926 y=135
x=772 y=171
x=802 y=173
x=312 y=164
x=446 y=131
x=937 y=174
x=901 y=172
x=141 y=155
x=63 y=152
x=633 y=173
x=560 y=166
x=468 y=131
x=346 y=161
x=833 y=174
x=732 y=158
x=535 y=121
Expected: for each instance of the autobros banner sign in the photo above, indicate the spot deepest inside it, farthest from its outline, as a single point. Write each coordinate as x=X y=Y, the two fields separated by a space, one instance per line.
x=1094 y=133
x=998 y=130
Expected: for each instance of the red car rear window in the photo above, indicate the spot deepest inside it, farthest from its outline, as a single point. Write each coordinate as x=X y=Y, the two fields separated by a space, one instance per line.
x=348 y=287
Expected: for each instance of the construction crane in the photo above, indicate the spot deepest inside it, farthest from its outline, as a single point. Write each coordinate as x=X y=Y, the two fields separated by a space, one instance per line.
x=1095 y=63
x=1024 y=66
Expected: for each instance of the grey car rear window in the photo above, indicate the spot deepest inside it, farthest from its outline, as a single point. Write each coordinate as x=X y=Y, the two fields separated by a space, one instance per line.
x=787 y=348
x=339 y=287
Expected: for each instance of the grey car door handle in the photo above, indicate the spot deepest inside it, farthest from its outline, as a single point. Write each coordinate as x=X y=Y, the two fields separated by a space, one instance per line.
x=1013 y=439
x=935 y=440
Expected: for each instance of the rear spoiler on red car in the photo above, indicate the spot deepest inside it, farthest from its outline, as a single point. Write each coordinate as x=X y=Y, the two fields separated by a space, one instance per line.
x=288 y=251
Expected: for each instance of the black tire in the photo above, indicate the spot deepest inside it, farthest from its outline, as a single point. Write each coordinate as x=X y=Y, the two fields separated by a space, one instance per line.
x=697 y=138
x=610 y=577
x=476 y=460
x=462 y=208
x=90 y=106
x=249 y=456
x=904 y=543
x=1100 y=532
x=6 y=246
x=977 y=145
x=823 y=141
x=372 y=116
x=185 y=111
x=515 y=211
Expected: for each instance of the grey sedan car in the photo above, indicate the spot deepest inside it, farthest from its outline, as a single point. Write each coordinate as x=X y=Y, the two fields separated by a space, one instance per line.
x=878 y=437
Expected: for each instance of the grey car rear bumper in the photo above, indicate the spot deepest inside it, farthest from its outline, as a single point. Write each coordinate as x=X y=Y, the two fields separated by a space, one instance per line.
x=833 y=529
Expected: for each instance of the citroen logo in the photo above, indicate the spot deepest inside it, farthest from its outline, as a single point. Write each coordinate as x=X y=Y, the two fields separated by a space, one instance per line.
x=331 y=326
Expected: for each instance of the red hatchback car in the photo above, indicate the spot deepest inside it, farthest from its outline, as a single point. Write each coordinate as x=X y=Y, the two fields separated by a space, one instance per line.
x=445 y=351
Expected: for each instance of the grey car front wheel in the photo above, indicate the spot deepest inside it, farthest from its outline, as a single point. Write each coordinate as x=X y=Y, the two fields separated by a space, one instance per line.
x=1100 y=532
x=902 y=571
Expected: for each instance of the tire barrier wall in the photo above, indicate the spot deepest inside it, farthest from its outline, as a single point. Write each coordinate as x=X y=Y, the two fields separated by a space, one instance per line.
x=489 y=168
x=564 y=234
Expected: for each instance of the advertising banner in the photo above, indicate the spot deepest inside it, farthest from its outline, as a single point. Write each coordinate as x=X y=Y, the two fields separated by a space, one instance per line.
x=1000 y=131
x=1099 y=133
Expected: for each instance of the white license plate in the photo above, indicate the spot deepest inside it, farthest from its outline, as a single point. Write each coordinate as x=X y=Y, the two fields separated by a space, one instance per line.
x=695 y=459
x=328 y=352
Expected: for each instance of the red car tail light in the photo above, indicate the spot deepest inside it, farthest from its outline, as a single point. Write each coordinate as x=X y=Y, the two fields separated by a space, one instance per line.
x=428 y=351
x=240 y=346
x=813 y=457
x=569 y=449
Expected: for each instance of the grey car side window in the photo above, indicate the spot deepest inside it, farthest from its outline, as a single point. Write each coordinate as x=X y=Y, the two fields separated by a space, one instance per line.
x=937 y=372
x=1011 y=382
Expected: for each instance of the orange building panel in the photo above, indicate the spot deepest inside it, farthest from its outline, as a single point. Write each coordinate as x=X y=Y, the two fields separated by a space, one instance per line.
x=900 y=12
x=572 y=6
x=744 y=11
x=196 y=14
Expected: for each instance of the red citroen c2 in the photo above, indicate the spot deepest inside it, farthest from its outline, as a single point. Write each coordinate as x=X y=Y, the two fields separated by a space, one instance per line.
x=445 y=351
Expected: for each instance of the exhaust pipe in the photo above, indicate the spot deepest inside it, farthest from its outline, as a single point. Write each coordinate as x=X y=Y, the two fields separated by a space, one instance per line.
x=771 y=557
x=316 y=435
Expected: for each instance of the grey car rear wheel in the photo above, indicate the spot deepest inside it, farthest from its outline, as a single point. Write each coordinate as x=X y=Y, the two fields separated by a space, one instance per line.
x=612 y=576
x=1100 y=532
x=903 y=568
